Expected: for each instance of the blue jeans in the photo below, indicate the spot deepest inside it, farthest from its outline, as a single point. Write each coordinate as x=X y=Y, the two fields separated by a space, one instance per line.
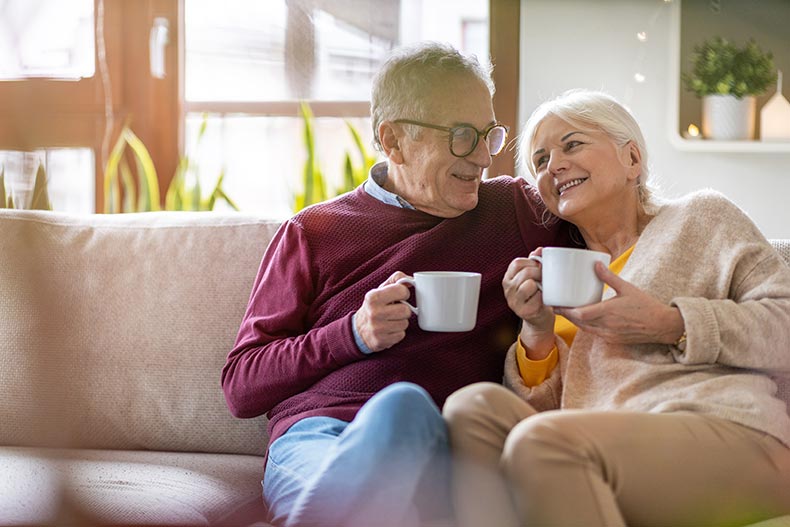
x=372 y=471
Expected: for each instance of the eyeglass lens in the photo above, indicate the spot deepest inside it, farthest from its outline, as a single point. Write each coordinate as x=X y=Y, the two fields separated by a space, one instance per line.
x=465 y=139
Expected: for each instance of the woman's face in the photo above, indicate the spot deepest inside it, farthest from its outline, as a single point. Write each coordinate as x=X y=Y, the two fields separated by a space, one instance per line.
x=582 y=175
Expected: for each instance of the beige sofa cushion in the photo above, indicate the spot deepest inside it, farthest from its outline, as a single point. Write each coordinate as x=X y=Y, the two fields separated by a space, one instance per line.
x=114 y=328
x=47 y=486
x=783 y=248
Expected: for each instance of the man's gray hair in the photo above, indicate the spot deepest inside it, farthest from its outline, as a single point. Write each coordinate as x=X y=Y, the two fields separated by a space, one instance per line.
x=404 y=83
x=592 y=110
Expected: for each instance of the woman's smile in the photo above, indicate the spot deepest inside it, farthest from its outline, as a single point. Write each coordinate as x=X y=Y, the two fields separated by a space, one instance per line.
x=561 y=189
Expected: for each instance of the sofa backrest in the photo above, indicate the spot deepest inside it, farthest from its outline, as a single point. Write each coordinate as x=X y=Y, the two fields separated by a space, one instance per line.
x=783 y=248
x=114 y=328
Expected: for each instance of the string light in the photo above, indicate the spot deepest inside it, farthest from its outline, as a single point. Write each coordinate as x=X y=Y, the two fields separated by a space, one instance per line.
x=642 y=37
x=693 y=130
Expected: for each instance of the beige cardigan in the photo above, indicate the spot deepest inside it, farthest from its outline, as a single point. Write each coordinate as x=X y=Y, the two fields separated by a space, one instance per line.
x=704 y=255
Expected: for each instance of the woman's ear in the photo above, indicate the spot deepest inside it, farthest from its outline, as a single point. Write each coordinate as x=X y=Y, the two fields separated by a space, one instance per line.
x=633 y=160
x=390 y=137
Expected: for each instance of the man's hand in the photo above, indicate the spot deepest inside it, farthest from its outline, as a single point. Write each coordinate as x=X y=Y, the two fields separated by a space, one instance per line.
x=631 y=317
x=382 y=320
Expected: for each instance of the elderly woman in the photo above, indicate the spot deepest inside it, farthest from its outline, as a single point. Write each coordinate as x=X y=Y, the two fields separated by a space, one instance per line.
x=655 y=406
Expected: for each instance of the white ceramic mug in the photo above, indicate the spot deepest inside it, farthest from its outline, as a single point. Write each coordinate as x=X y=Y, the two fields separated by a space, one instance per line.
x=446 y=300
x=569 y=278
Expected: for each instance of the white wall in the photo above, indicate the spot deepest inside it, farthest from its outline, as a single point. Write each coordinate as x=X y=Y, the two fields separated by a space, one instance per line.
x=582 y=44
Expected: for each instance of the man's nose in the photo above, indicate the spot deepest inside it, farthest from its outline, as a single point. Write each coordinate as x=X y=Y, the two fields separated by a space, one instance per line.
x=481 y=155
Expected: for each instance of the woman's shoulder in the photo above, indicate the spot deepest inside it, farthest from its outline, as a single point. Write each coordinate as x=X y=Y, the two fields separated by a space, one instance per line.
x=706 y=206
x=706 y=214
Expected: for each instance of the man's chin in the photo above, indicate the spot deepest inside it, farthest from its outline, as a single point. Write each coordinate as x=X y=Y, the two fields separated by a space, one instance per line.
x=468 y=204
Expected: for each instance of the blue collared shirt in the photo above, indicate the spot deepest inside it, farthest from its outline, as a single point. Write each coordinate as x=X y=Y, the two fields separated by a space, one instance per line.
x=374 y=186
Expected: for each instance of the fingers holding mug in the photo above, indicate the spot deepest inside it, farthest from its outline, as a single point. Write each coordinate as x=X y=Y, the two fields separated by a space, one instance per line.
x=408 y=281
x=381 y=320
x=522 y=287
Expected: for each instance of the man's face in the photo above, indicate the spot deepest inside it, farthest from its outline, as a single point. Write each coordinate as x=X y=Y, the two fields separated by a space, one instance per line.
x=430 y=177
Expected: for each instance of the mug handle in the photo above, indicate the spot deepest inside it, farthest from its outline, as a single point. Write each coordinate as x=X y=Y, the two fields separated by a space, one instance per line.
x=538 y=259
x=408 y=281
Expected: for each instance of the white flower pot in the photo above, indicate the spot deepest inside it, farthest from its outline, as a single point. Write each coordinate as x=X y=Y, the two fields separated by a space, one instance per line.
x=727 y=118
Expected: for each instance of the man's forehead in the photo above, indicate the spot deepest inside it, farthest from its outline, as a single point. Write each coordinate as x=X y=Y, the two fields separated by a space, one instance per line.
x=460 y=103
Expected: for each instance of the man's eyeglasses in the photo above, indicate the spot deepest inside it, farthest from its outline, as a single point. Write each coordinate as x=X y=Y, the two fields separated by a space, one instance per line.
x=464 y=138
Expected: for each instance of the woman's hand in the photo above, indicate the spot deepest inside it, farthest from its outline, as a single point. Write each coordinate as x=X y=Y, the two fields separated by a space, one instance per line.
x=631 y=317
x=526 y=300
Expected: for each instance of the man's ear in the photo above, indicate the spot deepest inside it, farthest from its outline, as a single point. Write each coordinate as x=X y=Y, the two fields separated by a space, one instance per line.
x=390 y=136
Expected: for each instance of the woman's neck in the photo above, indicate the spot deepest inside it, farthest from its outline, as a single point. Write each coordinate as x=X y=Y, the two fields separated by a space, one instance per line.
x=616 y=235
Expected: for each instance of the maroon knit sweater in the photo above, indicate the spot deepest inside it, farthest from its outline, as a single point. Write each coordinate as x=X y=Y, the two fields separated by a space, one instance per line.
x=295 y=354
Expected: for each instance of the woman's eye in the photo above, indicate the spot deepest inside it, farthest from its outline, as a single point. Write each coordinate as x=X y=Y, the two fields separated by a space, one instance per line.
x=542 y=160
x=570 y=145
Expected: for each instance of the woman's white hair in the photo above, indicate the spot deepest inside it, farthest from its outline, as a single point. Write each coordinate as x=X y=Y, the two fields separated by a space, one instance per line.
x=402 y=87
x=592 y=110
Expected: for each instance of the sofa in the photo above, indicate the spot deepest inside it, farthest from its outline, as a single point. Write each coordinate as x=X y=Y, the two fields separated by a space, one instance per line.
x=113 y=332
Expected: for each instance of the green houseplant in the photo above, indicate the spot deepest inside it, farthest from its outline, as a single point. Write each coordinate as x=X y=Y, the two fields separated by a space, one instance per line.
x=314 y=185
x=727 y=77
x=138 y=191
x=720 y=67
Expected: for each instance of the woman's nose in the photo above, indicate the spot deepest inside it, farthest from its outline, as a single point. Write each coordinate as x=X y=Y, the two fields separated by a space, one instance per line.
x=557 y=161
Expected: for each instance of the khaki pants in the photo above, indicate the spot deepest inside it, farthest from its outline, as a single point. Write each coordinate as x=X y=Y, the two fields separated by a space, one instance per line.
x=517 y=467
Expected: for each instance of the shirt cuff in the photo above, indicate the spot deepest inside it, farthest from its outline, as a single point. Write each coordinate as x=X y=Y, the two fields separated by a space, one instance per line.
x=358 y=339
x=534 y=372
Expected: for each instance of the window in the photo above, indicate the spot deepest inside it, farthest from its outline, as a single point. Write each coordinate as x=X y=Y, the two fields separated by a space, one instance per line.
x=46 y=48
x=248 y=63
x=70 y=175
x=71 y=73
x=46 y=39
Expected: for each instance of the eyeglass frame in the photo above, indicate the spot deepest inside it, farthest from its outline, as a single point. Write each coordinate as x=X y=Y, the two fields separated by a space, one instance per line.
x=452 y=129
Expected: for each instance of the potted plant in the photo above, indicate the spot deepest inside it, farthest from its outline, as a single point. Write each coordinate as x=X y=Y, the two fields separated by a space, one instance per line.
x=727 y=78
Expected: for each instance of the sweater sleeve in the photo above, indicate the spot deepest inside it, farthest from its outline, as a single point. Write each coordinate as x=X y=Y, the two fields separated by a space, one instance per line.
x=546 y=395
x=277 y=354
x=748 y=326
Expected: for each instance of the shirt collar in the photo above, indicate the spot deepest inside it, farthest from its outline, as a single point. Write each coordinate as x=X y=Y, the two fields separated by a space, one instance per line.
x=374 y=186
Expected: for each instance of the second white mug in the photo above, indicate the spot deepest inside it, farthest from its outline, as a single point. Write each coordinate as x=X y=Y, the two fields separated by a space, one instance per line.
x=569 y=278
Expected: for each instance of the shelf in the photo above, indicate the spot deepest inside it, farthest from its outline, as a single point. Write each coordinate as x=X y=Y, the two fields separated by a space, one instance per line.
x=674 y=126
x=709 y=145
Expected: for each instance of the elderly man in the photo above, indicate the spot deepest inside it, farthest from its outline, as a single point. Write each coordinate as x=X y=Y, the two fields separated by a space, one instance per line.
x=351 y=384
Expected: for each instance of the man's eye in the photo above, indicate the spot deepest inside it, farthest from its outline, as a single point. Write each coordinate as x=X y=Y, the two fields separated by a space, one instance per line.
x=464 y=133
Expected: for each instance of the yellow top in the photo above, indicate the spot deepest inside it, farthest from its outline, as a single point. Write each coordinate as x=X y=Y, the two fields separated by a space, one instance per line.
x=535 y=372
